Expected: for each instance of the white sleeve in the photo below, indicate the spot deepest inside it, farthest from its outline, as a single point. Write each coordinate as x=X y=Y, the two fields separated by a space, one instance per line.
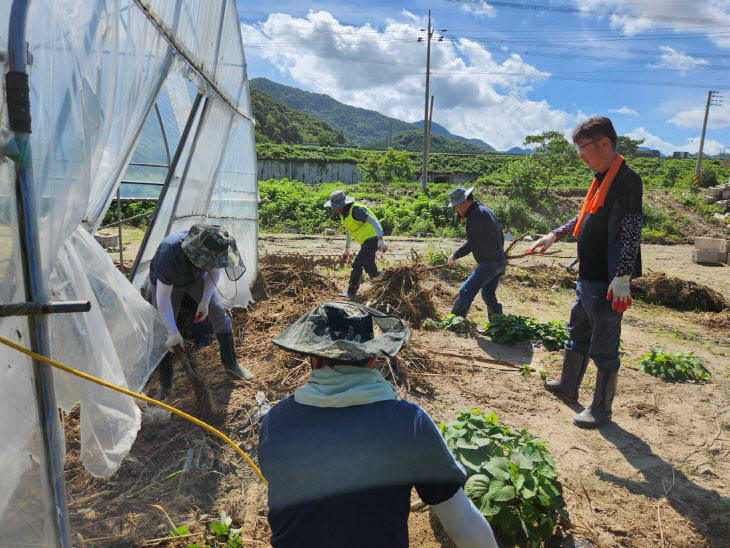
x=375 y=224
x=210 y=282
x=164 y=306
x=466 y=526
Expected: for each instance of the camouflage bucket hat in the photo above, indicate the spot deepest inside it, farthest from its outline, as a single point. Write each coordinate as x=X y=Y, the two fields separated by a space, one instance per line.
x=210 y=247
x=345 y=331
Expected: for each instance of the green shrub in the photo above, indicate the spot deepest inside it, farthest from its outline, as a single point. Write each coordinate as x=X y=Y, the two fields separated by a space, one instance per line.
x=511 y=475
x=674 y=367
x=129 y=210
x=509 y=329
x=429 y=325
x=457 y=324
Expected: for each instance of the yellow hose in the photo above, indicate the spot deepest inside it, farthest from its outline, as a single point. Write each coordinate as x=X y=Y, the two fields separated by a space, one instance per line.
x=142 y=397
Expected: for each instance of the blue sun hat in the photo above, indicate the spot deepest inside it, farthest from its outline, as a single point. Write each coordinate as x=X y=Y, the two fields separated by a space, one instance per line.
x=338 y=199
x=459 y=194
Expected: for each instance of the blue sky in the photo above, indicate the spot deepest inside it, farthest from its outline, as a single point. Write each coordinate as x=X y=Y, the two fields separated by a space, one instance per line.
x=504 y=70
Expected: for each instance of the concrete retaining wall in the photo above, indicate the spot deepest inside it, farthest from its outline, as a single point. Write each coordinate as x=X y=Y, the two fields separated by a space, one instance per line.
x=343 y=172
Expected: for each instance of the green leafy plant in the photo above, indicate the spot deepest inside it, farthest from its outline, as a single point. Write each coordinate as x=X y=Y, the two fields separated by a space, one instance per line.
x=511 y=475
x=525 y=370
x=457 y=324
x=179 y=531
x=429 y=325
x=224 y=533
x=674 y=367
x=509 y=329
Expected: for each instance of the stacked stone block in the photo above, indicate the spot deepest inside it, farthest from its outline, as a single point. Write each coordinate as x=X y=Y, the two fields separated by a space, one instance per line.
x=711 y=250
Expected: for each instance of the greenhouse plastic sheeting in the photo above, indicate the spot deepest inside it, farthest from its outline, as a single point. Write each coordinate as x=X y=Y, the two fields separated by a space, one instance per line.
x=98 y=67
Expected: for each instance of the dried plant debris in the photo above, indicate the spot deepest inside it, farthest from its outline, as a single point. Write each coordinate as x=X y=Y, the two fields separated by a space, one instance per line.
x=658 y=288
x=398 y=291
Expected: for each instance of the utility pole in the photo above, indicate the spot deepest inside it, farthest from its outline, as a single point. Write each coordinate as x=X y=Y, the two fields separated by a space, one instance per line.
x=711 y=95
x=426 y=118
x=424 y=172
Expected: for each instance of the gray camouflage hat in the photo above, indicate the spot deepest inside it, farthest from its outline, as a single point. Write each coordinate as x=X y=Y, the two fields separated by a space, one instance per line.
x=338 y=199
x=459 y=194
x=210 y=247
x=346 y=331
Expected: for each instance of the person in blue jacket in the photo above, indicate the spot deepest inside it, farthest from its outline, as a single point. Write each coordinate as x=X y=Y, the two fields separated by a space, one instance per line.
x=342 y=455
x=485 y=241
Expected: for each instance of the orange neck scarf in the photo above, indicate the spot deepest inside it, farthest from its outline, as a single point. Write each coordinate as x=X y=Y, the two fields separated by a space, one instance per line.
x=597 y=195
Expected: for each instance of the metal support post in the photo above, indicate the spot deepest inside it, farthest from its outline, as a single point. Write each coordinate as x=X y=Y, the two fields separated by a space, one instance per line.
x=51 y=438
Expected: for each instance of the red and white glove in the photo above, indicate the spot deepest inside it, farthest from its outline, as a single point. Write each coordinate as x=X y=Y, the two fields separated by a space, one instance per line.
x=619 y=293
x=545 y=242
x=174 y=340
x=451 y=260
x=202 y=311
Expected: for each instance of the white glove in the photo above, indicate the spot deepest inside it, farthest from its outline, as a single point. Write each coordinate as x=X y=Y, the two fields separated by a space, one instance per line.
x=619 y=293
x=202 y=312
x=545 y=242
x=451 y=260
x=382 y=246
x=174 y=340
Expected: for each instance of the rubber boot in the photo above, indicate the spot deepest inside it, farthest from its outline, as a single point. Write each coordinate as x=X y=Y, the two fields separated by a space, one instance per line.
x=229 y=359
x=574 y=367
x=493 y=310
x=353 y=286
x=165 y=372
x=600 y=410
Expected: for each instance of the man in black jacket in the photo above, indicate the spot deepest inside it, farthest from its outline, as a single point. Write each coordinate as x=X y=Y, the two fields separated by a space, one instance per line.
x=485 y=240
x=608 y=229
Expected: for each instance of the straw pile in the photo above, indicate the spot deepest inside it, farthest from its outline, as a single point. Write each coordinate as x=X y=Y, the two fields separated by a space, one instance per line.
x=398 y=291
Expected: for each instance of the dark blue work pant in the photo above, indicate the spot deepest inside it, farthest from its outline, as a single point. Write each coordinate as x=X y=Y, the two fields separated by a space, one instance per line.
x=595 y=327
x=364 y=260
x=485 y=278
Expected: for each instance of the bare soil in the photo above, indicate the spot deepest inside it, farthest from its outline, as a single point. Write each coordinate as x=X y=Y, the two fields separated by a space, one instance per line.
x=657 y=476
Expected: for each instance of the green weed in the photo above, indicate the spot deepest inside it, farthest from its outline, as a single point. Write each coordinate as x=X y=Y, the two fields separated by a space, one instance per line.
x=674 y=367
x=511 y=475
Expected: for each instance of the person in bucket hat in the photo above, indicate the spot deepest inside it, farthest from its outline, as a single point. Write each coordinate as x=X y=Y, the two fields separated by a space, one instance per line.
x=342 y=454
x=189 y=262
x=485 y=241
x=361 y=224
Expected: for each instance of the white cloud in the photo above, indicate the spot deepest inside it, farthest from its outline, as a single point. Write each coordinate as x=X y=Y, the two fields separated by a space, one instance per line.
x=717 y=118
x=475 y=94
x=671 y=58
x=478 y=8
x=692 y=145
x=634 y=17
x=626 y=111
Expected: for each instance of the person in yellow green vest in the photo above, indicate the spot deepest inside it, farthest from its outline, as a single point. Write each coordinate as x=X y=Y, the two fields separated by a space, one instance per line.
x=360 y=224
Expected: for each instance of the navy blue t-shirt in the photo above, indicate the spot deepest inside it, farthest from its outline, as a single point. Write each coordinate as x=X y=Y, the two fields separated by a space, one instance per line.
x=170 y=265
x=343 y=476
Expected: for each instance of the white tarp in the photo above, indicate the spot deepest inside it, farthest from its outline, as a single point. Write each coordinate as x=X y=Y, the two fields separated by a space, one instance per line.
x=97 y=69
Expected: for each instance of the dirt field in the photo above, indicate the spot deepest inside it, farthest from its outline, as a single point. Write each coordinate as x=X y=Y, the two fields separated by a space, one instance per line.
x=657 y=476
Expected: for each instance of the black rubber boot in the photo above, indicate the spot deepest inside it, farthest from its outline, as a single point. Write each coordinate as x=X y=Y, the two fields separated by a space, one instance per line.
x=165 y=372
x=353 y=286
x=492 y=311
x=229 y=359
x=574 y=367
x=600 y=410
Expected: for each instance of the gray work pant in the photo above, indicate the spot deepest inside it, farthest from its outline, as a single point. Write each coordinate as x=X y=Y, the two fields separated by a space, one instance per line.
x=216 y=313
